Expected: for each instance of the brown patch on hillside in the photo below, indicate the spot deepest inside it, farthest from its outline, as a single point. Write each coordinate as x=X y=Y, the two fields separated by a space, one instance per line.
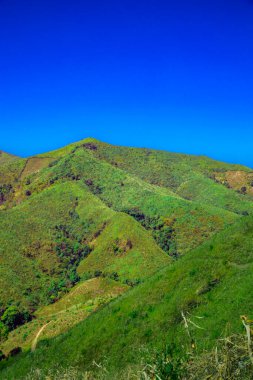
x=121 y=246
x=238 y=180
x=35 y=164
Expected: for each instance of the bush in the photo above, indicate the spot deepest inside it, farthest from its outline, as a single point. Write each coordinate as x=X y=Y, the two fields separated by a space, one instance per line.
x=15 y=351
x=97 y=273
x=53 y=163
x=161 y=231
x=13 y=317
x=3 y=331
x=166 y=365
x=90 y=146
x=114 y=276
x=5 y=190
x=2 y=356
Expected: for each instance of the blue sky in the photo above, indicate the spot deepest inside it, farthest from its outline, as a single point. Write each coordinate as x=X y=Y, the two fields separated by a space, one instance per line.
x=174 y=75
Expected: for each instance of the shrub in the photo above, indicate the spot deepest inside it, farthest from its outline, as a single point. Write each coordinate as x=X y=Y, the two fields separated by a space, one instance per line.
x=13 y=317
x=15 y=351
x=2 y=356
x=89 y=182
x=90 y=146
x=114 y=276
x=5 y=190
x=97 y=273
x=3 y=331
x=133 y=282
x=53 y=163
x=161 y=231
x=166 y=365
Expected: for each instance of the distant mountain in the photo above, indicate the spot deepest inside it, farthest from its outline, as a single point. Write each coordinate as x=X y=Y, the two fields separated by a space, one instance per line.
x=83 y=224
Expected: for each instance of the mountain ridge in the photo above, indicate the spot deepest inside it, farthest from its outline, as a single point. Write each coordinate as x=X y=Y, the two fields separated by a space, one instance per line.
x=95 y=140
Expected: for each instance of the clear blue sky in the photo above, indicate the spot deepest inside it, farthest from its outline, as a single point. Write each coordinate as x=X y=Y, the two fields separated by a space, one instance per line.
x=174 y=75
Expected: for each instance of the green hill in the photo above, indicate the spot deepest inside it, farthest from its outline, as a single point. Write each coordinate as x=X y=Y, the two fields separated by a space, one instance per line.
x=4 y=157
x=50 y=241
x=176 y=228
x=212 y=282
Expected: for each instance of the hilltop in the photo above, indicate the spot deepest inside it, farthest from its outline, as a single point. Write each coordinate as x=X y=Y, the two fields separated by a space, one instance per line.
x=136 y=235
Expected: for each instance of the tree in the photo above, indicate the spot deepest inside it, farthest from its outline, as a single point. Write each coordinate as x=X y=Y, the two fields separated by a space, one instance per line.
x=13 y=317
x=3 y=333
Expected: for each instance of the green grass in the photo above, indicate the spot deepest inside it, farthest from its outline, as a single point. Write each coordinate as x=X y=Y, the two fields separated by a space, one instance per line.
x=150 y=314
x=122 y=192
x=29 y=263
x=11 y=170
x=82 y=300
x=189 y=176
x=126 y=248
x=90 y=187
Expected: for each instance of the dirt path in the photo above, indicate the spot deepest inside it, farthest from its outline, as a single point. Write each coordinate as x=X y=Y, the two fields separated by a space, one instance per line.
x=35 y=341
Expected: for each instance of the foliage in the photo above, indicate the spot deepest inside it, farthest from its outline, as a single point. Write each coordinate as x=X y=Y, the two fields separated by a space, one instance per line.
x=162 y=232
x=156 y=305
x=3 y=331
x=14 y=317
x=2 y=356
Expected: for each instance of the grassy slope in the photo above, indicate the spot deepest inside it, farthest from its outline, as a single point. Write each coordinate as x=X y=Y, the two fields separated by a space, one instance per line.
x=11 y=170
x=191 y=177
x=89 y=190
x=75 y=306
x=122 y=191
x=150 y=314
x=112 y=254
x=177 y=172
x=28 y=262
x=5 y=157
x=32 y=226
x=236 y=179
x=111 y=190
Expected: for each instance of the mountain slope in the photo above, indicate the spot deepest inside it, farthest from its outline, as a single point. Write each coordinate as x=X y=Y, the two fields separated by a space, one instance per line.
x=57 y=318
x=66 y=203
x=193 y=177
x=127 y=193
x=4 y=157
x=70 y=218
x=213 y=282
x=115 y=217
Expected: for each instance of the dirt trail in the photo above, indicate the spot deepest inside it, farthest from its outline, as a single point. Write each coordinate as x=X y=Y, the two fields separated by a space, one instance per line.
x=35 y=341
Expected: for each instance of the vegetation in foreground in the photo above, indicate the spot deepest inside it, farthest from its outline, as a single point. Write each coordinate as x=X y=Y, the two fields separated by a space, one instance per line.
x=211 y=285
